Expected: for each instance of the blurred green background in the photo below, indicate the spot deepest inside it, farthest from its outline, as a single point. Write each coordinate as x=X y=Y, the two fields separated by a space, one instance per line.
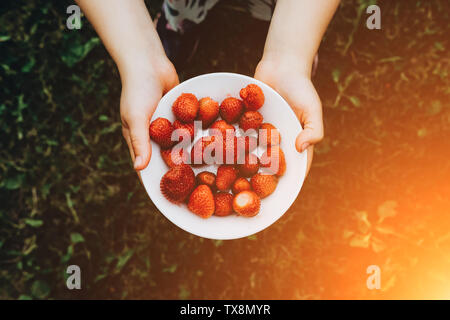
x=378 y=191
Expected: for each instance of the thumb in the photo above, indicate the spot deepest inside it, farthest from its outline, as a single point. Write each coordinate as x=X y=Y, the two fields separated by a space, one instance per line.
x=140 y=142
x=311 y=134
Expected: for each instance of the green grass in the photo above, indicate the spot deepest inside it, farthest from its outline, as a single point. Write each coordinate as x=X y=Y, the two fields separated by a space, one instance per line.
x=377 y=192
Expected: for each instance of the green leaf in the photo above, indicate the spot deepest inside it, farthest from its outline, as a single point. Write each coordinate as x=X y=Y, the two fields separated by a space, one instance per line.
x=29 y=65
x=439 y=46
x=385 y=230
x=387 y=209
x=24 y=297
x=68 y=254
x=360 y=241
x=77 y=51
x=347 y=234
x=103 y=118
x=113 y=127
x=183 y=293
x=100 y=277
x=422 y=132
x=391 y=59
x=435 y=108
x=22 y=103
x=51 y=142
x=364 y=224
x=76 y=238
x=355 y=101
x=4 y=38
x=34 y=223
x=377 y=245
x=13 y=183
x=40 y=289
x=336 y=74
x=366 y=3
x=218 y=243
x=171 y=269
x=123 y=259
x=348 y=80
x=45 y=190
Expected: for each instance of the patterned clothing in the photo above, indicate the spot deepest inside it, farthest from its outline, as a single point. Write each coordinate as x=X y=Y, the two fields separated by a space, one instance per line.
x=180 y=13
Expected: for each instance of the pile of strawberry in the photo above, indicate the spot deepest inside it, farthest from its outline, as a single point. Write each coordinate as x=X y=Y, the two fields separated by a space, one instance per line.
x=208 y=193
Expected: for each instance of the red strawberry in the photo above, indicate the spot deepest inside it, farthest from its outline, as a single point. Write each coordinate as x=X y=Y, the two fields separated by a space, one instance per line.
x=247 y=203
x=274 y=161
x=250 y=120
x=201 y=201
x=161 y=132
x=187 y=129
x=253 y=97
x=231 y=109
x=208 y=112
x=177 y=184
x=172 y=158
x=225 y=177
x=250 y=165
x=264 y=184
x=223 y=203
x=198 y=154
x=269 y=135
x=208 y=178
x=185 y=108
x=222 y=126
x=241 y=184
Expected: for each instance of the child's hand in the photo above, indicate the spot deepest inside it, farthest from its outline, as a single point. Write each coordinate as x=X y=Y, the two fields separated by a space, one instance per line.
x=142 y=88
x=292 y=81
x=128 y=33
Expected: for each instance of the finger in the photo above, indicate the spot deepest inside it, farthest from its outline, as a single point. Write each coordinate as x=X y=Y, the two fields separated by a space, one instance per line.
x=126 y=135
x=312 y=133
x=140 y=142
x=308 y=109
x=309 y=158
x=310 y=154
x=171 y=79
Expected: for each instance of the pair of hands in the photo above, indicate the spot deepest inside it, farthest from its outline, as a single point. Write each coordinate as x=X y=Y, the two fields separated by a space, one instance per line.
x=141 y=92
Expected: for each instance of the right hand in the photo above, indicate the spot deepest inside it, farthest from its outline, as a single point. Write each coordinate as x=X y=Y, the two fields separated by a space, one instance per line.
x=142 y=88
x=292 y=80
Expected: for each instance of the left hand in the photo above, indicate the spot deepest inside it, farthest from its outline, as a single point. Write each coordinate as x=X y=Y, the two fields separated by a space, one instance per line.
x=293 y=82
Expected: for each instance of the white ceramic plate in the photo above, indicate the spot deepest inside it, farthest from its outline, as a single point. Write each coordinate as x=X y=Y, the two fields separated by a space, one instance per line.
x=218 y=86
